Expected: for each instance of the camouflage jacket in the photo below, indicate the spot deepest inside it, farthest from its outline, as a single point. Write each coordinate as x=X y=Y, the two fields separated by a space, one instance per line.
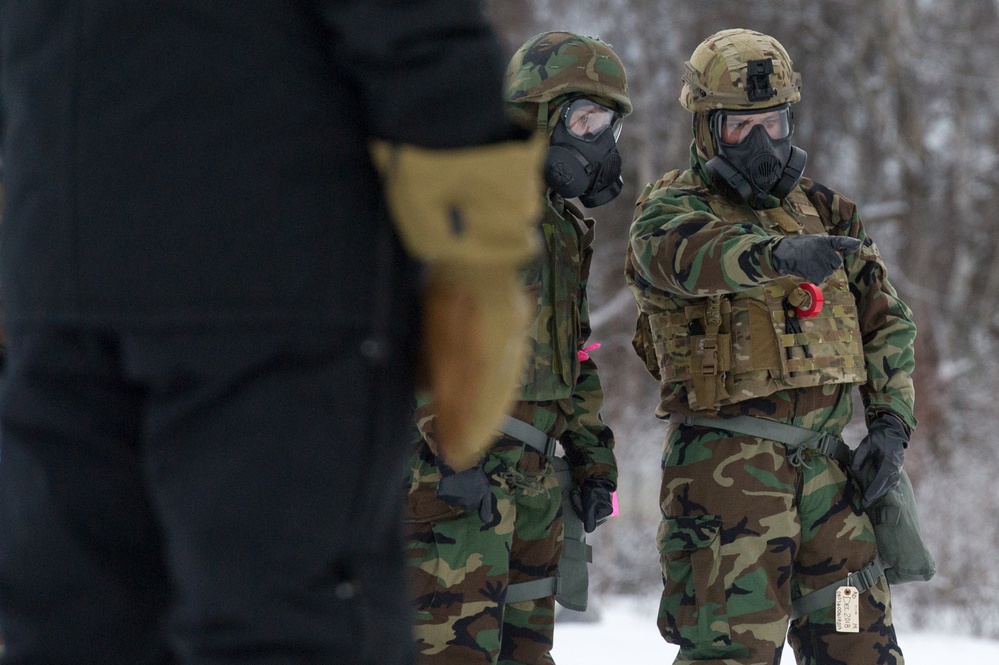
x=556 y=377
x=680 y=249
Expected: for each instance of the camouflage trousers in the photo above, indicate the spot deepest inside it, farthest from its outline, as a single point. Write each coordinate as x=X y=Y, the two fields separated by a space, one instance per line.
x=460 y=566
x=743 y=533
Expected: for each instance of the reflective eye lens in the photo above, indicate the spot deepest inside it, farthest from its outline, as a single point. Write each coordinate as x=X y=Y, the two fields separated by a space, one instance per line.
x=736 y=126
x=586 y=120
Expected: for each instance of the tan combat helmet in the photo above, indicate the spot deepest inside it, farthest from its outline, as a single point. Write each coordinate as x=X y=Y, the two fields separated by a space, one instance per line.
x=735 y=69
x=739 y=69
x=554 y=66
x=735 y=74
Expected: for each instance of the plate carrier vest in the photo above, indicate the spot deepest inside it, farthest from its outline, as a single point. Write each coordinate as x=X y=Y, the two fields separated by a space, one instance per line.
x=719 y=350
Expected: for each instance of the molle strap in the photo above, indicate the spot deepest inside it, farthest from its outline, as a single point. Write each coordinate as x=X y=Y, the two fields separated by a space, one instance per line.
x=529 y=435
x=712 y=324
x=783 y=286
x=711 y=357
x=543 y=117
x=791 y=436
x=532 y=590
x=705 y=367
x=799 y=202
x=825 y=597
x=784 y=220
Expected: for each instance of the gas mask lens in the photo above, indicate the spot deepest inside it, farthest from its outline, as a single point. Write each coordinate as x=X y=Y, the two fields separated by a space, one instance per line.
x=586 y=120
x=734 y=126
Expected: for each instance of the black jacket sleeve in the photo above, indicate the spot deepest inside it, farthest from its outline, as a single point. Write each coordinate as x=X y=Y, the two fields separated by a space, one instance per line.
x=428 y=72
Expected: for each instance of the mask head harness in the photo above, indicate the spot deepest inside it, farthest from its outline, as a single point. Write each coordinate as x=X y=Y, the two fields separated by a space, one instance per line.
x=583 y=160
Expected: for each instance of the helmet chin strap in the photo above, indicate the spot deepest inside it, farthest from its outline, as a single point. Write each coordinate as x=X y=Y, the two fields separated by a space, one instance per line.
x=543 y=118
x=703 y=135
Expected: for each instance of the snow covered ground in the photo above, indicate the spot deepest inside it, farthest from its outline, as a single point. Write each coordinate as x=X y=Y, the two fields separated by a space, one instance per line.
x=626 y=633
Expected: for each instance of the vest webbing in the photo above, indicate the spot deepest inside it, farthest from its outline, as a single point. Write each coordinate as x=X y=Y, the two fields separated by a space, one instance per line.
x=578 y=550
x=540 y=441
x=539 y=588
x=548 y=586
x=529 y=435
x=822 y=598
x=829 y=445
x=760 y=345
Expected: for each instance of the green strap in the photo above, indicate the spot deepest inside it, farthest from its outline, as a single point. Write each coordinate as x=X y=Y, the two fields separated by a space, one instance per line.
x=822 y=598
x=528 y=434
x=829 y=445
x=543 y=118
x=577 y=549
x=539 y=588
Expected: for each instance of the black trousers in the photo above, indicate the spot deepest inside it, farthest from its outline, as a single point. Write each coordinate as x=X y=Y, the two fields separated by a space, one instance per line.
x=202 y=498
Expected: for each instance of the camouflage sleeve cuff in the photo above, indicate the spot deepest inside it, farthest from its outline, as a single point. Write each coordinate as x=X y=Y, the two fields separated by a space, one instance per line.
x=600 y=471
x=877 y=403
x=767 y=265
x=590 y=461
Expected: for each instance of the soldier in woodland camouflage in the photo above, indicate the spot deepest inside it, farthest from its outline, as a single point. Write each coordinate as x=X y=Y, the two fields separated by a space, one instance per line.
x=762 y=504
x=485 y=543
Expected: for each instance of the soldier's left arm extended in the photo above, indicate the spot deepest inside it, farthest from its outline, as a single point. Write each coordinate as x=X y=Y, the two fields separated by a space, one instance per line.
x=888 y=331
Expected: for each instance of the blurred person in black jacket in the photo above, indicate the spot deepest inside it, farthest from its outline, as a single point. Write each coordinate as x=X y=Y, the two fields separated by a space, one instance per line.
x=213 y=304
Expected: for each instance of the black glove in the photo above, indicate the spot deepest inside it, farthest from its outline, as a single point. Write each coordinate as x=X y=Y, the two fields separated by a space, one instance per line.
x=468 y=489
x=592 y=502
x=813 y=257
x=877 y=462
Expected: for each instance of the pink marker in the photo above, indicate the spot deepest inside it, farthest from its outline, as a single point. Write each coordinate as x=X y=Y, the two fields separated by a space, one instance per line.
x=614 y=510
x=584 y=353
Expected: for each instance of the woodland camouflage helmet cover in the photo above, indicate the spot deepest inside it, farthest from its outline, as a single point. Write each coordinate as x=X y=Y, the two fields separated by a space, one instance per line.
x=739 y=69
x=557 y=64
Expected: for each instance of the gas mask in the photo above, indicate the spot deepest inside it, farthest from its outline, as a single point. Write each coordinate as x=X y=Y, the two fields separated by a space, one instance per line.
x=755 y=157
x=583 y=160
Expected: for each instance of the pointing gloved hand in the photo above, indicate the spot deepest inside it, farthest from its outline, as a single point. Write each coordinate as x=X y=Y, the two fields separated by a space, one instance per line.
x=592 y=502
x=877 y=462
x=813 y=257
x=468 y=489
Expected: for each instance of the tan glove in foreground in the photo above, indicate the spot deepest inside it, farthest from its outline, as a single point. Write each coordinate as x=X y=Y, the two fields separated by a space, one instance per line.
x=471 y=214
x=474 y=339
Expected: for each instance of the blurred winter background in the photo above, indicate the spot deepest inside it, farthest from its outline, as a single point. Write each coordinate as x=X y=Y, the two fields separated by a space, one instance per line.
x=898 y=112
x=626 y=632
